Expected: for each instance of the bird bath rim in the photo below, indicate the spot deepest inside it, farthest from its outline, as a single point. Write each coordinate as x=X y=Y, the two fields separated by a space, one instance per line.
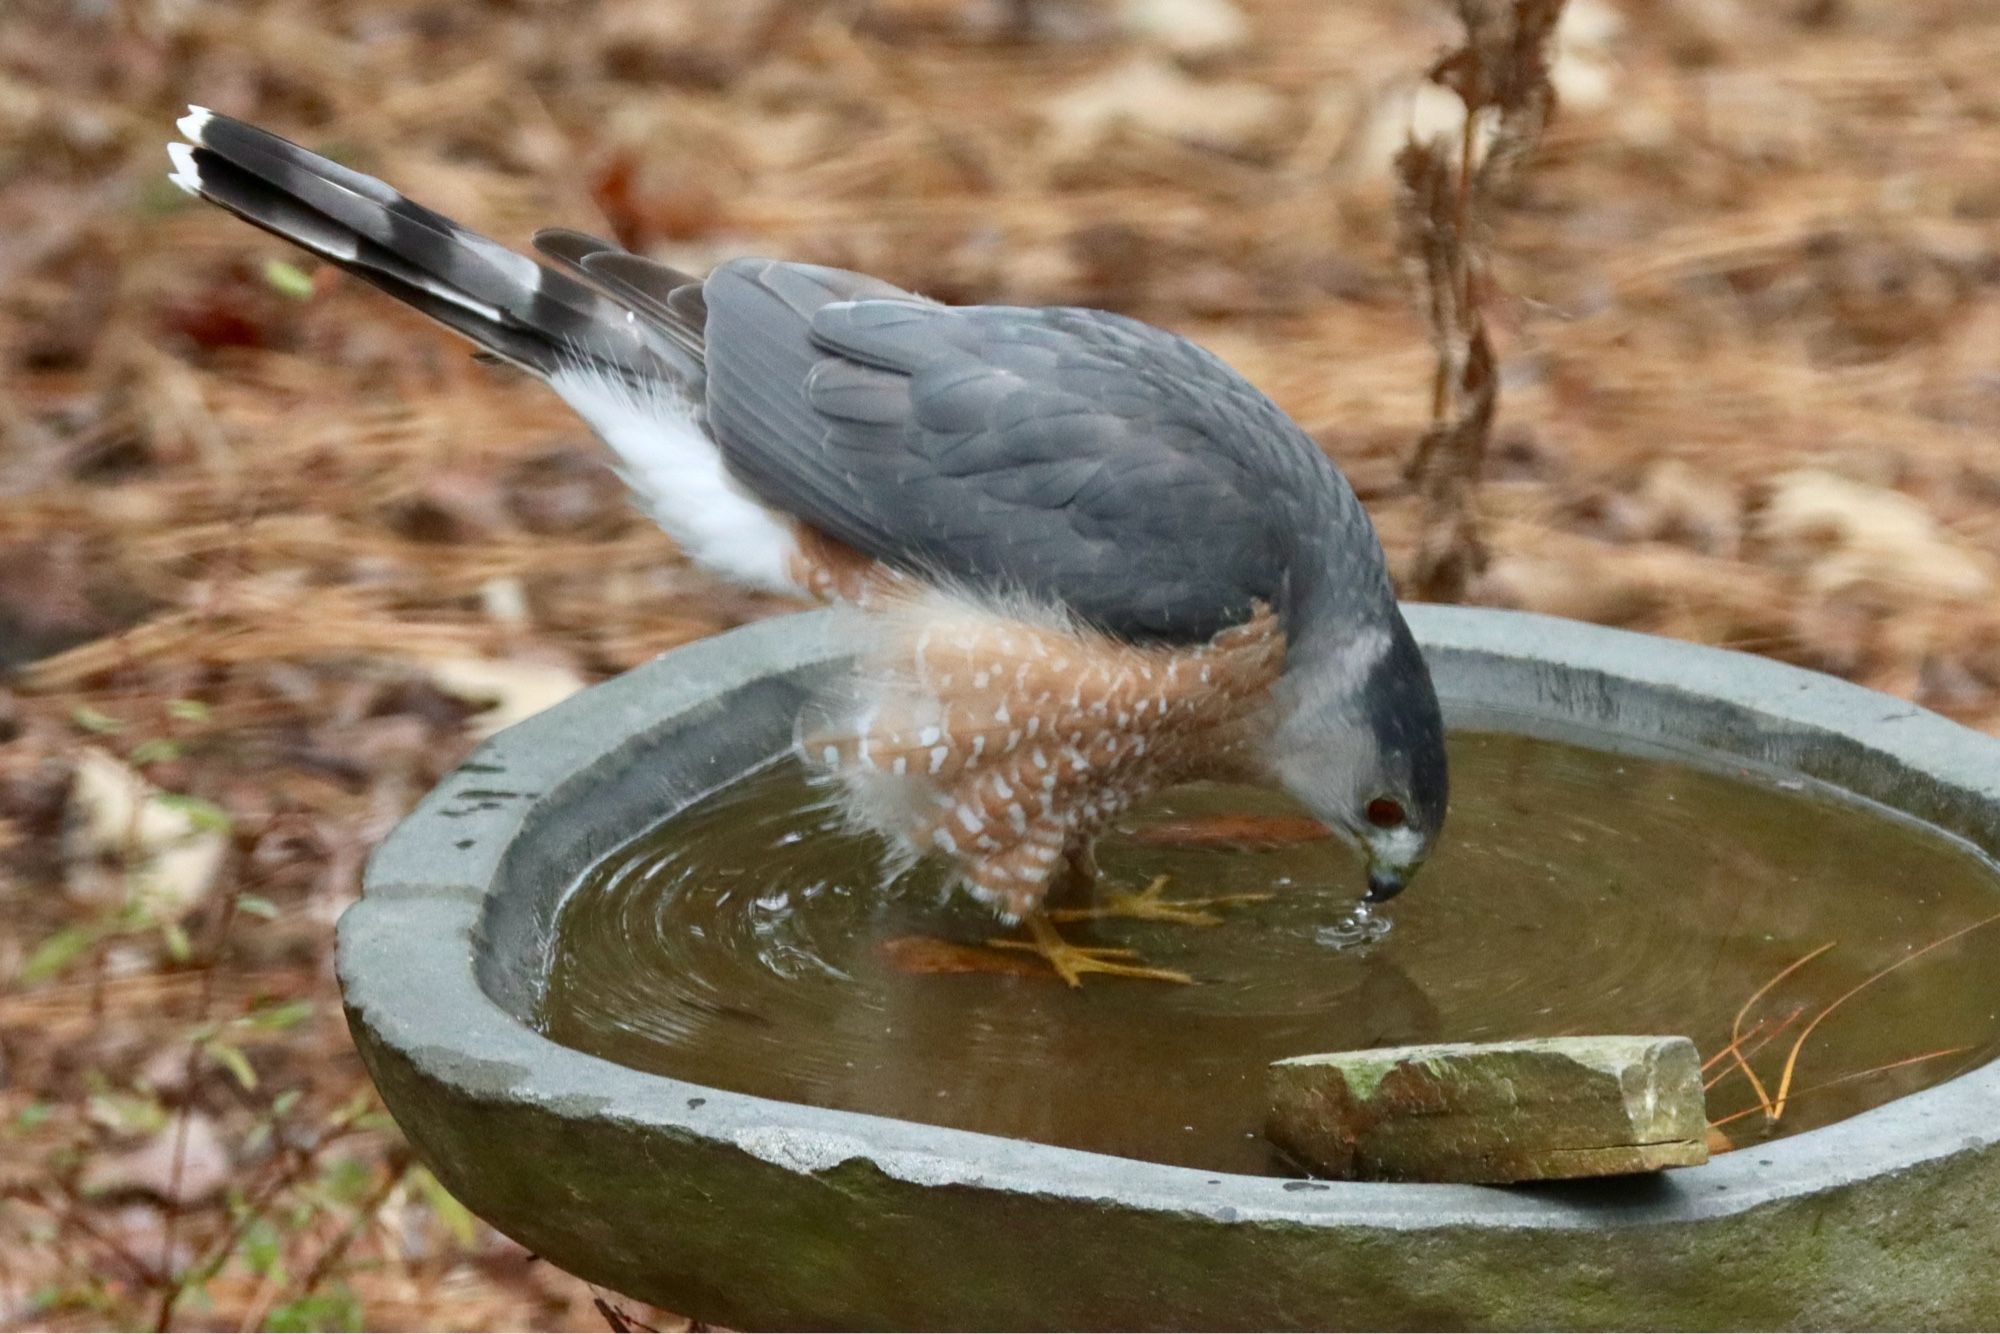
x=440 y=961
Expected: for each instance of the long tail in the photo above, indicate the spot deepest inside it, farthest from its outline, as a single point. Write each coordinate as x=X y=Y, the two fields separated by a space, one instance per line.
x=539 y=319
x=626 y=348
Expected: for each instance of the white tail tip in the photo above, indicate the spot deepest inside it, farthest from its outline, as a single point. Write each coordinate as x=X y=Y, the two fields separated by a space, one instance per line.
x=194 y=122
x=186 y=174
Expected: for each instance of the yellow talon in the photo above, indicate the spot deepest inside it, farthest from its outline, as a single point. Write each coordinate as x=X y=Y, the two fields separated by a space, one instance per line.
x=1071 y=962
x=1148 y=906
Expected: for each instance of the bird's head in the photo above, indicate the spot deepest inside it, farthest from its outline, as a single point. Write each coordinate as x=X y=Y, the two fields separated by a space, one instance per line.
x=1360 y=742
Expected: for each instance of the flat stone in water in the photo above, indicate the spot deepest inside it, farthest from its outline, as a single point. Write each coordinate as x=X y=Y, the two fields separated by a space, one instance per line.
x=1493 y=1112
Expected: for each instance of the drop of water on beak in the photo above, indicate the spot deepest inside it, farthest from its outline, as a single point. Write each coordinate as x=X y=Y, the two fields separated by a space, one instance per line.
x=1363 y=925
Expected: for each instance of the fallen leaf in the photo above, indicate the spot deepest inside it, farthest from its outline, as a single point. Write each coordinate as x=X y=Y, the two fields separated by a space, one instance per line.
x=1188 y=29
x=507 y=690
x=1841 y=532
x=1677 y=502
x=928 y=954
x=1557 y=586
x=149 y=1169
x=1149 y=94
x=170 y=847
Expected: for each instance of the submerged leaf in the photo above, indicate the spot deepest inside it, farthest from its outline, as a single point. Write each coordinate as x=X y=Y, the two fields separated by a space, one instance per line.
x=928 y=954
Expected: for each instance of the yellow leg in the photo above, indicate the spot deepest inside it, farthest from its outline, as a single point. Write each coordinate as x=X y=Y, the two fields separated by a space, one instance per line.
x=1071 y=962
x=1148 y=906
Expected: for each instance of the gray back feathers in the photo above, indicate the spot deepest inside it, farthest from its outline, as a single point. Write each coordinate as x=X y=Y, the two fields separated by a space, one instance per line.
x=1079 y=458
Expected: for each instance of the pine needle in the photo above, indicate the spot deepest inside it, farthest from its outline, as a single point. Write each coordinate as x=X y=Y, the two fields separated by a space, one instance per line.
x=1777 y=1107
x=1844 y=1079
x=1735 y=1047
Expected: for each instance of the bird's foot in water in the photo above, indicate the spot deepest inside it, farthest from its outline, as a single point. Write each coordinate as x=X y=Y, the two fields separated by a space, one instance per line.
x=1150 y=905
x=1071 y=962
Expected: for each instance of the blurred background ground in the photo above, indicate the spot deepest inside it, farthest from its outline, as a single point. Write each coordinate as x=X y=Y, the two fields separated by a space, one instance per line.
x=273 y=552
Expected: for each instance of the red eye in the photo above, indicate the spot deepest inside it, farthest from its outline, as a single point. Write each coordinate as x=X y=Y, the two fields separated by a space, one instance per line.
x=1385 y=813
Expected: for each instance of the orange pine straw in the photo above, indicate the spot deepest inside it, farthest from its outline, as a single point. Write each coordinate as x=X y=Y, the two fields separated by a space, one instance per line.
x=1764 y=1039
x=1735 y=1047
x=1777 y=1109
x=1732 y=1048
x=1756 y=1084
x=1791 y=1017
x=1858 y=1074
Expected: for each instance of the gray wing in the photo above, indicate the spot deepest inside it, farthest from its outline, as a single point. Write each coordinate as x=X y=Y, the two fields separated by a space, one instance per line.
x=1084 y=459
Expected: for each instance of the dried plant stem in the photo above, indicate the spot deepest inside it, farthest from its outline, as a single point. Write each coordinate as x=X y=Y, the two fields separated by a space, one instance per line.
x=170 y=1229
x=399 y=1162
x=1444 y=190
x=617 y=1317
x=72 y=1216
x=299 y=1162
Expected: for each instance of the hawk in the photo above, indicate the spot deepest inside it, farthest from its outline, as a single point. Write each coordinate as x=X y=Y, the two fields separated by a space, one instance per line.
x=1092 y=559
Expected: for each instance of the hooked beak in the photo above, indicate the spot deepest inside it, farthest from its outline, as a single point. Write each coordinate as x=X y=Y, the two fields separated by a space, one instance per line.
x=1385 y=883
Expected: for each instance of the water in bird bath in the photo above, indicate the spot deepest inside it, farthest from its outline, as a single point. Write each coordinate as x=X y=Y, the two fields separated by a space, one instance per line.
x=748 y=944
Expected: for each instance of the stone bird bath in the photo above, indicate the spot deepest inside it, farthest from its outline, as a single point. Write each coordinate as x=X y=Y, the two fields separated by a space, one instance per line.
x=756 y=1213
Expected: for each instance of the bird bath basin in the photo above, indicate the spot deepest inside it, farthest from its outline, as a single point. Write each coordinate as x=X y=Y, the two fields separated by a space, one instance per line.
x=723 y=1191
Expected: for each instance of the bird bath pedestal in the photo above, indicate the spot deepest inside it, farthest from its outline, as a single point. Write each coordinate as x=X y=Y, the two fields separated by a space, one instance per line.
x=756 y=1213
